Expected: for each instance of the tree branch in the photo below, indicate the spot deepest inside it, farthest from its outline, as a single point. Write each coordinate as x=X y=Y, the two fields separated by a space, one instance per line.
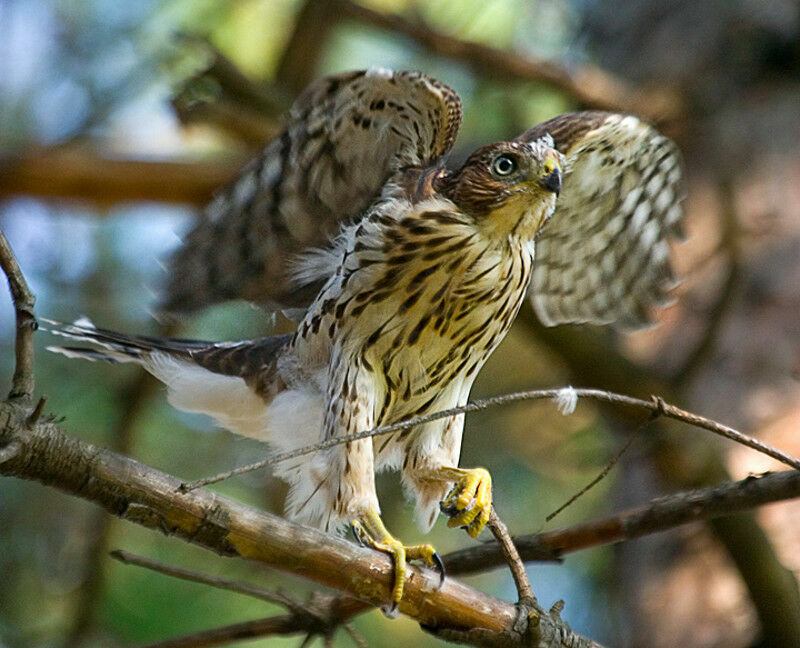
x=284 y=624
x=22 y=381
x=511 y=556
x=141 y=494
x=658 y=515
x=238 y=120
x=85 y=175
x=592 y=357
x=656 y=407
x=128 y=558
x=588 y=85
x=320 y=615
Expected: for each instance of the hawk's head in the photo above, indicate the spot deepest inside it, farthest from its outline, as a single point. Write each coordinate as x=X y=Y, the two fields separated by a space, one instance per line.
x=510 y=188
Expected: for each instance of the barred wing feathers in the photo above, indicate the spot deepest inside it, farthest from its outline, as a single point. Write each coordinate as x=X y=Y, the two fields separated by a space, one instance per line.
x=604 y=255
x=346 y=135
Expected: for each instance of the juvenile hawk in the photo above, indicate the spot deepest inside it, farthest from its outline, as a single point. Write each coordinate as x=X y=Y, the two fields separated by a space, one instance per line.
x=418 y=288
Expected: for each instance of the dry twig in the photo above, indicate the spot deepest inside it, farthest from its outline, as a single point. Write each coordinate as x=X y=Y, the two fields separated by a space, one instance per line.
x=511 y=555
x=656 y=407
x=321 y=615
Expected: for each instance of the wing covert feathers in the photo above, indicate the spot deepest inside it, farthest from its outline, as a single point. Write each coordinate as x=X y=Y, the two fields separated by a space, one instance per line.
x=346 y=135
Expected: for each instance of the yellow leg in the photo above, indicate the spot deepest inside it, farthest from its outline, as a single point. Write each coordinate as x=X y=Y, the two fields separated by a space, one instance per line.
x=469 y=502
x=370 y=531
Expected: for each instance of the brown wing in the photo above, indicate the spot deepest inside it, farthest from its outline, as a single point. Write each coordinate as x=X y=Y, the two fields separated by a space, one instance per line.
x=604 y=255
x=346 y=135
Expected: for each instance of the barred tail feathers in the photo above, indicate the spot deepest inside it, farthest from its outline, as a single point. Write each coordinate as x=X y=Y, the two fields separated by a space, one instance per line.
x=196 y=375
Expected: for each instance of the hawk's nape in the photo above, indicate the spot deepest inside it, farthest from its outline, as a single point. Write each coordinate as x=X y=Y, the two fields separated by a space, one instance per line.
x=604 y=256
x=346 y=135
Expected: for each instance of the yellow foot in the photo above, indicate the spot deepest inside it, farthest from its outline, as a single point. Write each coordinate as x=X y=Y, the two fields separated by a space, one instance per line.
x=469 y=502
x=370 y=531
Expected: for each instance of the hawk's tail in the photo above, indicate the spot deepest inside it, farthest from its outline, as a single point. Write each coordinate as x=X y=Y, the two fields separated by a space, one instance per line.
x=238 y=384
x=233 y=382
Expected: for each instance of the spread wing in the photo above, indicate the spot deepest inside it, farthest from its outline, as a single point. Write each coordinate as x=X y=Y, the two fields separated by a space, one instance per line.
x=346 y=135
x=604 y=255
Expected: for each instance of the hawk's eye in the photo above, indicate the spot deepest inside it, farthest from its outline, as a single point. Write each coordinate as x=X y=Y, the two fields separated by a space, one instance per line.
x=504 y=165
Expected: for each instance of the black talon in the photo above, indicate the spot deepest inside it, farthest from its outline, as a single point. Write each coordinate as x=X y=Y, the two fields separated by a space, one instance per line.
x=390 y=611
x=437 y=559
x=357 y=536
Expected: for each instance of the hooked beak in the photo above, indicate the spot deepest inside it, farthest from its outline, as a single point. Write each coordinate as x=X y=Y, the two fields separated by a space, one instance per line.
x=552 y=181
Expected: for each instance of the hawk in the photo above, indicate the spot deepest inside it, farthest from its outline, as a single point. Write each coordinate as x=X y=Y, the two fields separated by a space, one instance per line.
x=421 y=283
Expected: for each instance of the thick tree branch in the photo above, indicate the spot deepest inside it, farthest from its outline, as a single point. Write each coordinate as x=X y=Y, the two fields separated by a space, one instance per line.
x=151 y=498
x=658 y=515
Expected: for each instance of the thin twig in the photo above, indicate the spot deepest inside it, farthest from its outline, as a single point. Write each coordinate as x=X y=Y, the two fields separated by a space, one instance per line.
x=224 y=635
x=206 y=579
x=656 y=406
x=355 y=635
x=22 y=382
x=515 y=564
x=602 y=475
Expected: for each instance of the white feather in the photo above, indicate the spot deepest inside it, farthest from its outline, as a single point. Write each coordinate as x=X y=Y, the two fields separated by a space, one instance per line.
x=566 y=400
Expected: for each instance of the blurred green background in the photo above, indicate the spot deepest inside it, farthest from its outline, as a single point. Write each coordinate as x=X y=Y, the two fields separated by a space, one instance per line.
x=100 y=79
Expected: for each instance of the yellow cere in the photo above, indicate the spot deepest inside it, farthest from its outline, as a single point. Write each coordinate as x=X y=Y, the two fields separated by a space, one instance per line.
x=551 y=162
